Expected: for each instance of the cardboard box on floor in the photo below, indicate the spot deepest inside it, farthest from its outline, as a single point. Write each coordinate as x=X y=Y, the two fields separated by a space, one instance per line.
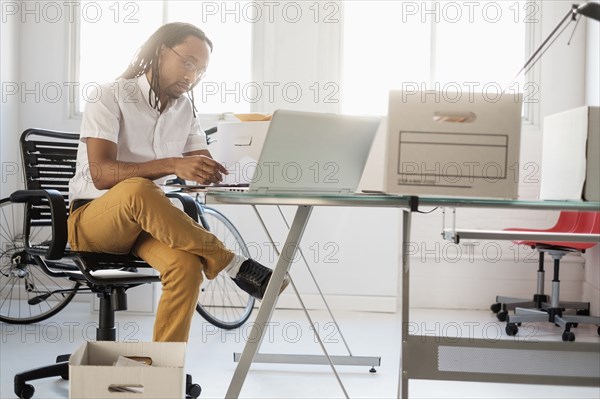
x=92 y=373
x=571 y=155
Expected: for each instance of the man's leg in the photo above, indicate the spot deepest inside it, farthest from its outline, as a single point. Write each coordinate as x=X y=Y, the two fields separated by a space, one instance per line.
x=113 y=222
x=181 y=277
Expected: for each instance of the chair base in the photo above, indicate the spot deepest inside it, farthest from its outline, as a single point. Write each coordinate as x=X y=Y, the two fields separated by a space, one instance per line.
x=504 y=304
x=25 y=391
x=552 y=315
x=543 y=307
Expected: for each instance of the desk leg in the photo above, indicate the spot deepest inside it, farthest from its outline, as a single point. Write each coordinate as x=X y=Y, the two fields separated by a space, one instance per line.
x=404 y=365
x=270 y=299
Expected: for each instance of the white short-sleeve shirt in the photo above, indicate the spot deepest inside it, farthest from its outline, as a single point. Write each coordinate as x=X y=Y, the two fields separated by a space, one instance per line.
x=120 y=112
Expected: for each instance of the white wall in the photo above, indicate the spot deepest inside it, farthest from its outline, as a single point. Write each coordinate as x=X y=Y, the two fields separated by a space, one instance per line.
x=368 y=238
x=591 y=285
x=592 y=84
x=9 y=107
x=44 y=69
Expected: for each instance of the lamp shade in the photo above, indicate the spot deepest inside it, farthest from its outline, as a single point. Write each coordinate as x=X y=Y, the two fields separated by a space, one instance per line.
x=590 y=10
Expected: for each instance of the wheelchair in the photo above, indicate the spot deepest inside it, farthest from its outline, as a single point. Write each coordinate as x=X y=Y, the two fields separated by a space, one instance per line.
x=40 y=275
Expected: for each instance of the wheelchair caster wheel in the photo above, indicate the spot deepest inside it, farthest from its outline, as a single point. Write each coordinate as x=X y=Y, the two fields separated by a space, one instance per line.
x=512 y=329
x=501 y=316
x=25 y=392
x=496 y=307
x=568 y=336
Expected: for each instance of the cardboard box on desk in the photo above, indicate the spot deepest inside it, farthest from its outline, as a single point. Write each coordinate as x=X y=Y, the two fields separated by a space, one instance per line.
x=571 y=155
x=92 y=373
x=453 y=144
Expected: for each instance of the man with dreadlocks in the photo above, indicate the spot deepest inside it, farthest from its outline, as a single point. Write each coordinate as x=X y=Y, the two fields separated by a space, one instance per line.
x=136 y=131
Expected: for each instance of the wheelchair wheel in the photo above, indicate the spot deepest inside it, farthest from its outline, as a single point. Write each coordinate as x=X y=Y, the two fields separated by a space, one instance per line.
x=221 y=301
x=28 y=294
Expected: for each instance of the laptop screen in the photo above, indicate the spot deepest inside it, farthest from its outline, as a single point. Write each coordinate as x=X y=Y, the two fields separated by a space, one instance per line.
x=314 y=152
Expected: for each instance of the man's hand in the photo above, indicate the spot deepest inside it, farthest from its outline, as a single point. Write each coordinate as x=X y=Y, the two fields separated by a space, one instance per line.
x=200 y=168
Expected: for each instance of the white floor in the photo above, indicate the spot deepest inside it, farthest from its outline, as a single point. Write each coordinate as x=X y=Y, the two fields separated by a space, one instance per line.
x=210 y=359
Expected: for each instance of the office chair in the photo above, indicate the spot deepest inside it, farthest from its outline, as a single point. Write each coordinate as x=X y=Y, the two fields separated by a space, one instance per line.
x=587 y=223
x=567 y=221
x=49 y=160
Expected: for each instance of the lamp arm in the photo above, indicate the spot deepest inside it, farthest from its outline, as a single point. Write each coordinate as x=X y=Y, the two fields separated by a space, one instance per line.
x=570 y=14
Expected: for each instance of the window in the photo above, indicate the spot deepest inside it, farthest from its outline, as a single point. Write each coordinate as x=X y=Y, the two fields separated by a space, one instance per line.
x=347 y=62
x=228 y=24
x=101 y=53
x=430 y=45
x=110 y=33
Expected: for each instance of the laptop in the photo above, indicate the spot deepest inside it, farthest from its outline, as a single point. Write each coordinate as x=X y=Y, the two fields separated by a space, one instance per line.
x=308 y=152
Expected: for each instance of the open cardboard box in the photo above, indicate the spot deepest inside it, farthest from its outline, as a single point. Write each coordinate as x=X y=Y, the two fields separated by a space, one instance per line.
x=92 y=373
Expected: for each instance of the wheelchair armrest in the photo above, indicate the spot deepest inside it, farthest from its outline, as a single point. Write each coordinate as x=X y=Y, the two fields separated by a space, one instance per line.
x=58 y=212
x=189 y=204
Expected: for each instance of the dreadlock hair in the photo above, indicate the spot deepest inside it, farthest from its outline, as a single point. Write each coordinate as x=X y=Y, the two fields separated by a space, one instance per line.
x=146 y=57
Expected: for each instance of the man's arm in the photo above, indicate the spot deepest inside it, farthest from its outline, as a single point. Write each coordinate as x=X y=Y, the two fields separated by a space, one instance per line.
x=205 y=153
x=106 y=171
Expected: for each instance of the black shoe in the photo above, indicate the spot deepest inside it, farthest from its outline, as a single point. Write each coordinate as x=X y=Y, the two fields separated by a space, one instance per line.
x=254 y=278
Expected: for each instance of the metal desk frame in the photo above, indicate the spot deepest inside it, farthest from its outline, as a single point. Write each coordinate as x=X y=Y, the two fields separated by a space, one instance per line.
x=427 y=350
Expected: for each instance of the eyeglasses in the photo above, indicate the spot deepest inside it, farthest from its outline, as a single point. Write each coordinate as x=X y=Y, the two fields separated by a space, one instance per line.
x=190 y=66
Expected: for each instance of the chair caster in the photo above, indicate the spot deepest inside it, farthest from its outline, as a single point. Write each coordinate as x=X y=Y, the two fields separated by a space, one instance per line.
x=568 y=336
x=511 y=329
x=192 y=391
x=496 y=307
x=25 y=391
x=501 y=316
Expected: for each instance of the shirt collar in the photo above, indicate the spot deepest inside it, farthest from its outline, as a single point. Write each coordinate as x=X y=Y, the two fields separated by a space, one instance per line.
x=144 y=86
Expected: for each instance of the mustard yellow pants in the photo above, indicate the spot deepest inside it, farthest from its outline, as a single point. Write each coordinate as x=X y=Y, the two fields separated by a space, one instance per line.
x=136 y=217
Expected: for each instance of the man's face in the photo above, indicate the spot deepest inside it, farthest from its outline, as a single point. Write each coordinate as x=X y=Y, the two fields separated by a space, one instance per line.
x=182 y=66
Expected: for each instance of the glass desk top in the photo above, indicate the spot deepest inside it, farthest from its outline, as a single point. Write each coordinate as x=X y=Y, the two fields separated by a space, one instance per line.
x=383 y=200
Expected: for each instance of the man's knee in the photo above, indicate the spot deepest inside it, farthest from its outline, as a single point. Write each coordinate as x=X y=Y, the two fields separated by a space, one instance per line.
x=185 y=269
